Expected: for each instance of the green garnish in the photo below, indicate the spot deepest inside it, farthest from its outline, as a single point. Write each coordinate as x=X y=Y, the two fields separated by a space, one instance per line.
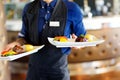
x=82 y=35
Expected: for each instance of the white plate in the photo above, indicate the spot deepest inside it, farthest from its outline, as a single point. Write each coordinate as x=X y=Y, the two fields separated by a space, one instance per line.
x=72 y=43
x=13 y=57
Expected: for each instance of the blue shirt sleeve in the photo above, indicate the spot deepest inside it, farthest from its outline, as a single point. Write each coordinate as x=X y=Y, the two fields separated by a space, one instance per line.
x=23 y=31
x=77 y=23
x=74 y=22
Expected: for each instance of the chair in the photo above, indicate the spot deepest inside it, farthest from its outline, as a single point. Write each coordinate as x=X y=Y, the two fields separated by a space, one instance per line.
x=100 y=59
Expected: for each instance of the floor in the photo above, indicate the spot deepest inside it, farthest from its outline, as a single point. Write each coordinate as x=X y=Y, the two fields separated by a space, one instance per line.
x=113 y=75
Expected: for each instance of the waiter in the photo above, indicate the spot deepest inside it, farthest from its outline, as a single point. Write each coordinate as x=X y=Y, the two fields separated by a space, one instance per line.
x=49 y=18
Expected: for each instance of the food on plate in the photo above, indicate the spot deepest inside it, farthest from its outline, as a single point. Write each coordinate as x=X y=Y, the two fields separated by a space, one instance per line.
x=81 y=38
x=61 y=39
x=17 y=50
x=8 y=53
x=28 y=47
x=90 y=37
x=86 y=38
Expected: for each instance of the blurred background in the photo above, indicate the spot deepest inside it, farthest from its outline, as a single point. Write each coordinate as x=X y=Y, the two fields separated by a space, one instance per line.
x=102 y=62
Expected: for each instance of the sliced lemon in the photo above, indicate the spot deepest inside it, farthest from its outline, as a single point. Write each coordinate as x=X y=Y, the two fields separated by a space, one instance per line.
x=90 y=37
x=28 y=47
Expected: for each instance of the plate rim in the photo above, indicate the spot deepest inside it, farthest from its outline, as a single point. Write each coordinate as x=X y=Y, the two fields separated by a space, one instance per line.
x=13 y=57
x=60 y=44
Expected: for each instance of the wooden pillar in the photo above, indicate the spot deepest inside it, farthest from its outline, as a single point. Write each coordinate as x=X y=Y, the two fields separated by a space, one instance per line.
x=4 y=65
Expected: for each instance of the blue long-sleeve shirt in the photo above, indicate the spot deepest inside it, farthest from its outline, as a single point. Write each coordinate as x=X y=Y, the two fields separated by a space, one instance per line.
x=74 y=19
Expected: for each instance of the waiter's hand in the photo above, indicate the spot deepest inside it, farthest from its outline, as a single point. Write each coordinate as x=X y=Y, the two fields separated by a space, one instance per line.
x=11 y=45
x=19 y=42
x=74 y=37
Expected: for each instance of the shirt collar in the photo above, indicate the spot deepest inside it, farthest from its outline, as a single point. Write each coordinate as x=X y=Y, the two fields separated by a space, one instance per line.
x=52 y=4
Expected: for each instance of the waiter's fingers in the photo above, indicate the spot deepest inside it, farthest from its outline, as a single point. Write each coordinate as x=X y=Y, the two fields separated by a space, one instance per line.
x=74 y=36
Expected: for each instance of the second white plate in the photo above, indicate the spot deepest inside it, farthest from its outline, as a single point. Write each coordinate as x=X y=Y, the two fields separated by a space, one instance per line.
x=72 y=43
x=14 y=57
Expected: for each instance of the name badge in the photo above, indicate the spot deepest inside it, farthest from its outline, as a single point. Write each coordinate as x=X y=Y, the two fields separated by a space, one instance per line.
x=54 y=24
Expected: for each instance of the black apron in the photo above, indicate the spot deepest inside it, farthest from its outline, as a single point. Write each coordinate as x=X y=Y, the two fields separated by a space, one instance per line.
x=49 y=63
